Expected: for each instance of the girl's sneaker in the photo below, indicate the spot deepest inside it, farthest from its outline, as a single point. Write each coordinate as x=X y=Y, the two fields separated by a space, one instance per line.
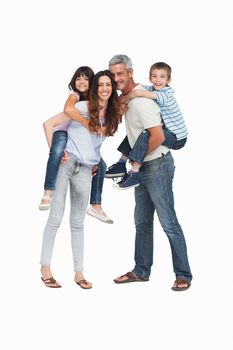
x=100 y=215
x=45 y=206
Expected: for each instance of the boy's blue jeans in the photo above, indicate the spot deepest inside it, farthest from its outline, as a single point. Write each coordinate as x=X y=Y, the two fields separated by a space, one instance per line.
x=56 y=152
x=139 y=150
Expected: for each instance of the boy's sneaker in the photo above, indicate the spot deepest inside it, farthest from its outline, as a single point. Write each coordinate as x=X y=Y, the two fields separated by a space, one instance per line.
x=116 y=170
x=129 y=180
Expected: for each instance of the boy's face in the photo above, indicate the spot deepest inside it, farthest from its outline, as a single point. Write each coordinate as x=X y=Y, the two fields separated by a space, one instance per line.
x=159 y=78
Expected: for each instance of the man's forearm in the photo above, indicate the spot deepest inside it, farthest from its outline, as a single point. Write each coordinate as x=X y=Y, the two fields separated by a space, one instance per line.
x=156 y=138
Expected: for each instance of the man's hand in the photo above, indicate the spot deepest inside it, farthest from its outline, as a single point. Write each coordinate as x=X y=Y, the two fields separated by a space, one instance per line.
x=94 y=130
x=64 y=157
x=156 y=138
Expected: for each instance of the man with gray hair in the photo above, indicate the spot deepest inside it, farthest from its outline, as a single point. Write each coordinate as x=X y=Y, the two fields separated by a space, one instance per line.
x=155 y=189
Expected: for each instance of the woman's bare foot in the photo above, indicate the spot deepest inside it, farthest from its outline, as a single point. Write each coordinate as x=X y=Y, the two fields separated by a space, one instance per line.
x=81 y=281
x=47 y=278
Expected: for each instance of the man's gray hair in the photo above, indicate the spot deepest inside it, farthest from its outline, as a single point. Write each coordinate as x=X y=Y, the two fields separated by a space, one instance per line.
x=121 y=59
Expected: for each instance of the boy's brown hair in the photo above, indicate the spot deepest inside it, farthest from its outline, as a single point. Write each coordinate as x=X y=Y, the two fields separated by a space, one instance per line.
x=161 y=65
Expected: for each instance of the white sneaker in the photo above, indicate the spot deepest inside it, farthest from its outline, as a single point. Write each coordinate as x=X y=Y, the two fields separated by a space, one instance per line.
x=100 y=215
x=47 y=205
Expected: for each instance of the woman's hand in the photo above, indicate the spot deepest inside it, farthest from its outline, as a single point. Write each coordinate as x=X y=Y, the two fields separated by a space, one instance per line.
x=64 y=157
x=94 y=170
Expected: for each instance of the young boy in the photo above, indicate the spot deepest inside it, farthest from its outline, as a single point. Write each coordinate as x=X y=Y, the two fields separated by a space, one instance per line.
x=174 y=128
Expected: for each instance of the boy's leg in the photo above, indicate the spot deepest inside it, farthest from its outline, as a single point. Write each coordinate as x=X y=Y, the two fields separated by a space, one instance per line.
x=139 y=150
x=124 y=147
x=171 y=140
x=119 y=169
x=136 y=155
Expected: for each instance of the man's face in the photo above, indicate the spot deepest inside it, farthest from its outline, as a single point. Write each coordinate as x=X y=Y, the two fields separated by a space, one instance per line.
x=121 y=75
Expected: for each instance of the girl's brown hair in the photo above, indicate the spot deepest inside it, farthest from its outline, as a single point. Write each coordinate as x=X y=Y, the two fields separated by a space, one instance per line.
x=82 y=71
x=112 y=116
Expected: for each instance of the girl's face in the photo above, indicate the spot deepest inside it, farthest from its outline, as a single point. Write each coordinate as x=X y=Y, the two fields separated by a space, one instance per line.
x=159 y=78
x=104 y=88
x=82 y=83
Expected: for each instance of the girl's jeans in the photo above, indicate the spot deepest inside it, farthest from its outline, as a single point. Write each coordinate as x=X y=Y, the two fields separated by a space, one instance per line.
x=55 y=155
x=79 y=178
x=56 y=152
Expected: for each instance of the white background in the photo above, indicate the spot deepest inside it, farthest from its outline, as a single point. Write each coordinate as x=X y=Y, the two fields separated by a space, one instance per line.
x=42 y=44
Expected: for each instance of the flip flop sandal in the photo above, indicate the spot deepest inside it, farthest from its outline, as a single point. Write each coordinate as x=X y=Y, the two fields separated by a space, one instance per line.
x=79 y=283
x=131 y=277
x=45 y=206
x=180 y=281
x=51 y=282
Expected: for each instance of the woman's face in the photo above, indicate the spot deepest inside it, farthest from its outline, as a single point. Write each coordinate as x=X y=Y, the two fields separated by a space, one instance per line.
x=104 y=88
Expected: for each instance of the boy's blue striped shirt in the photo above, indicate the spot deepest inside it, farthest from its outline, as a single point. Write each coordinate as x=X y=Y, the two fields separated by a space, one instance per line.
x=170 y=111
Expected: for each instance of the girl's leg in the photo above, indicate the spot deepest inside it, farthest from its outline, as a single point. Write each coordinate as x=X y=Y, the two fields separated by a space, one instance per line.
x=55 y=217
x=79 y=195
x=97 y=183
x=96 y=194
x=55 y=155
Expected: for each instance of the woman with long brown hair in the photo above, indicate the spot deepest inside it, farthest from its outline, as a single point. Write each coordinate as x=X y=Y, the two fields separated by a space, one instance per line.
x=83 y=153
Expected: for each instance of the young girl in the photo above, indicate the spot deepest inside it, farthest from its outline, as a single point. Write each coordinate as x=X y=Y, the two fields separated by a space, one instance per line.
x=57 y=138
x=83 y=152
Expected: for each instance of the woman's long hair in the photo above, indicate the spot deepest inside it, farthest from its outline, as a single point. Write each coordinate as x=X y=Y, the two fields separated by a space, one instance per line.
x=112 y=117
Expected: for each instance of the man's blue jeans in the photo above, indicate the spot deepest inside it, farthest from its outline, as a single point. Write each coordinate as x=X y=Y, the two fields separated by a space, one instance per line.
x=155 y=194
x=56 y=152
